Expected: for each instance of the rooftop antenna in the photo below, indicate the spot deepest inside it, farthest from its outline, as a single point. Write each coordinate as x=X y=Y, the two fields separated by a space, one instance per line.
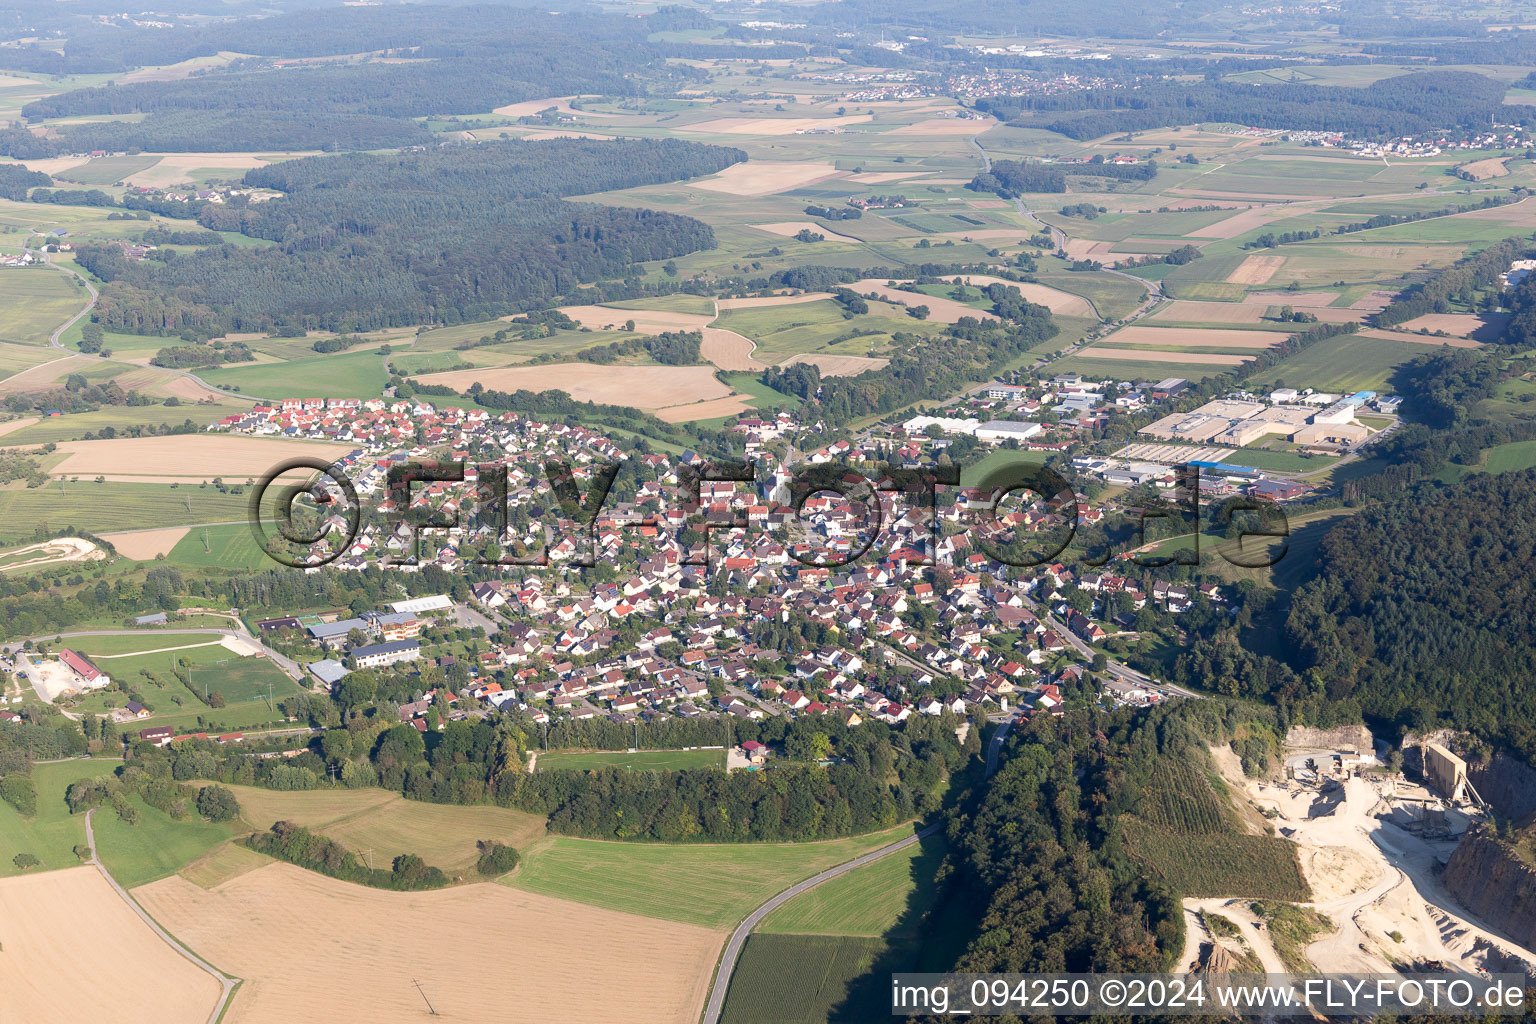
x=424 y=997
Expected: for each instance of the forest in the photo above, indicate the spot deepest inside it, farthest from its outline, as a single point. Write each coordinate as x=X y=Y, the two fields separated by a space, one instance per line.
x=447 y=235
x=1404 y=105
x=1422 y=609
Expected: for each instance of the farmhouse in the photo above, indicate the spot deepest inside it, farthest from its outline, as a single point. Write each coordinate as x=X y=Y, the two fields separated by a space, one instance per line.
x=87 y=675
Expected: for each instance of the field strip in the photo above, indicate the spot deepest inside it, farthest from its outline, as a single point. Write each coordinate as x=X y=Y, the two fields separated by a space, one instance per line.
x=227 y=984
x=157 y=650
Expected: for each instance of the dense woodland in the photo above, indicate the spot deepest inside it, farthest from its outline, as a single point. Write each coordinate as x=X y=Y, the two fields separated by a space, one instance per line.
x=1422 y=609
x=446 y=235
x=1404 y=105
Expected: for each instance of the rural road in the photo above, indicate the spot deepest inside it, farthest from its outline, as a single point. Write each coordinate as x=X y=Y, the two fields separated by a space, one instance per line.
x=54 y=342
x=282 y=661
x=226 y=983
x=738 y=939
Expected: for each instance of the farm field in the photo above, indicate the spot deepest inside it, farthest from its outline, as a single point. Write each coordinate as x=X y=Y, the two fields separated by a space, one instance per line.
x=34 y=302
x=389 y=825
x=75 y=951
x=1173 y=339
x=1349 y=362
x=74 y=426
x=826 y=968
x=870 y=901
x=192 y=458
x=144 y=545
x=724 y=881
x=231 y=546
x=638 y=760
x=51 y=834
x=644 y=387
x=1224 y=864
x=342 y=375
x=156 y=847
x=374 y=945
x=112 y=506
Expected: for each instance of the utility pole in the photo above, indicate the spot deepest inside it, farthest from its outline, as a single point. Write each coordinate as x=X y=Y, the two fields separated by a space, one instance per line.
x=424 y=998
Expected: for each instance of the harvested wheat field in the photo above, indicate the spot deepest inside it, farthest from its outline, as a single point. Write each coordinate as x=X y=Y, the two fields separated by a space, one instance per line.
x=644 y=387
x=1462 y=325
x=330 y=950
x=838 y=366
x=1058 y=301
x=194 y=456
x=731 y=405
x=1418 y=339
x=11 y=426
x=1196 y=337
x=770 y=125
x=1481 y=170
x=175 y=168
x=145 y=545
x=1296 y=300
x=45 y=375
x=946 y=126
x=73 y=950
x=882 y=177
x=163 y=384
x=1147 y=355
x=758 y=301
x=1245 y=220
x=562 y=104
x=1516 y=215
x=729 y=350
x=1192 y=312
x=791 y=228
x=765 y=177
x=1256 y=269
x=944 y=311
x=648 y=321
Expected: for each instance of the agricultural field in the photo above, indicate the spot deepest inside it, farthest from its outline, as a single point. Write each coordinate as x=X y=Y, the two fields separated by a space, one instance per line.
x=724 y=881
x=230 y=546
x=340 y=375
x=388 y=825
x=52 y=834
x=34 y=302
x=636 y=760
x=375 y=946
x=1185 y=832
x=188 y=459
x=112 y=506
x=157 y=846
x=827 y=969
x=1349 y=362
x=76 y=951
x=895 y=891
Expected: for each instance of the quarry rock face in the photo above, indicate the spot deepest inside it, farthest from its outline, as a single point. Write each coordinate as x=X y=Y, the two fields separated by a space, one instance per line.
x=1346 y=737
x=1488 y=877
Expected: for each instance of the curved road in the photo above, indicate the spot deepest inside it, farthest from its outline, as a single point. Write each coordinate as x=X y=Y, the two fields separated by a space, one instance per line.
x=738 y=939
x=282 y=661
x=226 y=983
x=54 y=342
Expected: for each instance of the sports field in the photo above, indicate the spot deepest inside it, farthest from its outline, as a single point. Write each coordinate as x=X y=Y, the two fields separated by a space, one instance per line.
x=712 y=885
x=638 y=760
x=330 y=950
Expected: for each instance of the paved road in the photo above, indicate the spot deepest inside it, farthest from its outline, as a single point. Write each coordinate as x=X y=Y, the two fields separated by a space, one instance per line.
x=226 y=983
x=738 y=939
x=54 y=342
x=282 y=661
